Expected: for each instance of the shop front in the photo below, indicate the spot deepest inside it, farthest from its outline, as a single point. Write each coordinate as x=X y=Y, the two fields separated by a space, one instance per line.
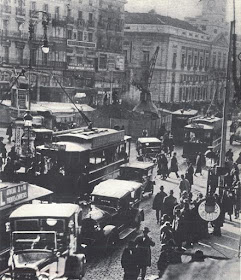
x=12 y=195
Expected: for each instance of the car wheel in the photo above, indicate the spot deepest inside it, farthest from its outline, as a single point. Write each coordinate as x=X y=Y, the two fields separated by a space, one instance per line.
x=111 y=241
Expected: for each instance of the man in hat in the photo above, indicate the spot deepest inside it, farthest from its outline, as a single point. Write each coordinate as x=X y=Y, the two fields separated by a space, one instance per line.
x=168 y=204
x=129 y=262
x=144 y=244
x=158 y=203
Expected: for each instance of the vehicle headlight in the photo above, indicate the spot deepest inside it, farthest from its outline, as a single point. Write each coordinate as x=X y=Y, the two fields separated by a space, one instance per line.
x=43 y=277
x=6 y=277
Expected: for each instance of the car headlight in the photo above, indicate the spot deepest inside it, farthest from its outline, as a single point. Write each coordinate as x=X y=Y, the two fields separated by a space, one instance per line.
x=43 y=277
x=6 y=277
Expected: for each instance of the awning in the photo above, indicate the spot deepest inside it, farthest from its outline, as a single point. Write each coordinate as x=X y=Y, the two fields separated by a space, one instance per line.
x=34 y=192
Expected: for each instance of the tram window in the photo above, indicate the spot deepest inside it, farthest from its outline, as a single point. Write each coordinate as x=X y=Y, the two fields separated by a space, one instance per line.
x=26 y=225
x=52 y=224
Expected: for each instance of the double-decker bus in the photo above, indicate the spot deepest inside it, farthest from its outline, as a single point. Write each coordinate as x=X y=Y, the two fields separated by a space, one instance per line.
x=200 y=135
x=79 y=159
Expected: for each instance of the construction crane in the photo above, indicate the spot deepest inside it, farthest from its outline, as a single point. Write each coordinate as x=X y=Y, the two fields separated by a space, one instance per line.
x=145 y=103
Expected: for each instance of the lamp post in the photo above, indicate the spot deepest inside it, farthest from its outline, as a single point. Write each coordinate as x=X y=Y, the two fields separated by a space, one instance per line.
x=28 y=122
x=45 y=46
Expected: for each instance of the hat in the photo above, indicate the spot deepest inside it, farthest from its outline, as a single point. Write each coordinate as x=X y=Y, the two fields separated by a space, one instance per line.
x=146 y=229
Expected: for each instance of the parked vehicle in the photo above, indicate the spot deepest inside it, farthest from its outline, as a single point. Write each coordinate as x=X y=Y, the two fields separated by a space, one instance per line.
x=45 y=242
x=114 y=214
x=236 y=136
x=141 y=172
x=148 y=148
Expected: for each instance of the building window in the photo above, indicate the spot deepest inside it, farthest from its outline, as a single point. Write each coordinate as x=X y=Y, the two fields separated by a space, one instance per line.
x=173 y=78
x=172 y=94
x=214 y=61
x=80 y=14
x=69 y=34
x=204 y=27
x=46 y=8
x=183 y=60
x=6 y=54
x=125 y=55
x=90 y=17
x=215 y=31
x=146 y=56
x=195 y=61
x=90 y=37
x=224 y=60
x=56 y=12
x=20 y=55
x=180 y=95
x=174 y=60
x=80 y=36
x=45 y=58
x=33 y=6
x=79 y=60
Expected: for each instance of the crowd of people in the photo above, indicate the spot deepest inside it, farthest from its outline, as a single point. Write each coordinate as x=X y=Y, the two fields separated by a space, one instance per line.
x=180 y=223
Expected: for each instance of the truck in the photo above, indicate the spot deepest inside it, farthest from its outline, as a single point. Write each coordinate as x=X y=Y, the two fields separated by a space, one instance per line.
x=45 y=243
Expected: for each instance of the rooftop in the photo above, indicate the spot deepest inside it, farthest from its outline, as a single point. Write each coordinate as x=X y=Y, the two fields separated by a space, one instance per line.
x=155 y=19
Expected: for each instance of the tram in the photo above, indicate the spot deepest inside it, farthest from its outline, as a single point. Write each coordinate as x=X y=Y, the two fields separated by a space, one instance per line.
x=200 y=135
x=79 y=159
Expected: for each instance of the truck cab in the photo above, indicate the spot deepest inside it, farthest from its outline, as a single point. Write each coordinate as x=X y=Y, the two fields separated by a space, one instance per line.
x=114 y=213
x=45 y=242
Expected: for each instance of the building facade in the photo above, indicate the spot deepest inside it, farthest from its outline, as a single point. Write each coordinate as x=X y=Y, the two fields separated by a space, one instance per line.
x=73 y=34
x=183 y=66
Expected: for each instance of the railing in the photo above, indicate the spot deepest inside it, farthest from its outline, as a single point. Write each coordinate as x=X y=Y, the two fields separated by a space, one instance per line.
x=80 y=22
x=59 y=21
x=90 y=24
x=69 y=20
x=20 y=12
x=14 y=34
x=57 y=39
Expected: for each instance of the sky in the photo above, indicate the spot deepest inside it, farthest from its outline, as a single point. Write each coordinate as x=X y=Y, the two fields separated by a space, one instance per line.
x=181 y=8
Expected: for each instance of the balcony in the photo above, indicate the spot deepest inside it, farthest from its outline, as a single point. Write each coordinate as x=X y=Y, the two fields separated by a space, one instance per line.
x=101 y=25
x=80 y=23
x=58 y=65
x=33 y=14
x=59 y=21
x=70 y=20
x=6 y=9
x=57 y=40
x=73 y=43
x=90 y=24
x=20 y=12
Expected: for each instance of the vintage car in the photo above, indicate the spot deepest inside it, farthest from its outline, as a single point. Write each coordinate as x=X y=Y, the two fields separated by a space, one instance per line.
x=140 y=172
x=114 y=214
x=45 y=243
x=148 y=148
x=236 y=136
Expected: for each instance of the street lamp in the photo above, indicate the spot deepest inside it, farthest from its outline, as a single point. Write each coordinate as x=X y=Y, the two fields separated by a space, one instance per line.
x=44 y=47
x=28 y=122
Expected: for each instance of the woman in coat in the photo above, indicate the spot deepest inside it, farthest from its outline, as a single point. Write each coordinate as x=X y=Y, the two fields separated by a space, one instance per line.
x=198 y=164
x=189 y=174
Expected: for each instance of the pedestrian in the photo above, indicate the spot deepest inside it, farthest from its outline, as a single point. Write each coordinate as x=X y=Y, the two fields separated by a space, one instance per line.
x=162 y=166
x=174 y=165
x=129 y=261
x=168 y=256
x=189 y=174
x=158 y=203
x=4 y=153
x=1 y=163
x=144 y=244
x=9 y=132
x=166 y=233
x=184 y=185
x=169 y=203
x=170 y=144
x=229 y=155
x=235 y=173
x=1 y=145
x=198 y=164
x=238 y=160
x=228 y=201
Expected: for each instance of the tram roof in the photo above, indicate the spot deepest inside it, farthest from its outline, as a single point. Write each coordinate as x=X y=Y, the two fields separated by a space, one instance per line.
x=138 y=165
x=52 y=210
x=66 y=146
x=207 y=119
x=199 y=126
x=115 y=188
x=149 y=140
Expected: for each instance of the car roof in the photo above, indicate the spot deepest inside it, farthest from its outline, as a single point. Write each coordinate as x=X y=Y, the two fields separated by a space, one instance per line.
x=52 y=210
x=149 y=140
x=115 y=188
x=138 y=165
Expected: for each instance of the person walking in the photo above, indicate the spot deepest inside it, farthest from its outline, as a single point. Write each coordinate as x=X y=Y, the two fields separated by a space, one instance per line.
x=158 y=203
x=198 y=164
x=9 y=132
x=189 y=174
x=144 y=244
x=169 y=203
x=4 y=153
x=184 y=185
x=162 y=166
x=174 y=165
x=129 y=262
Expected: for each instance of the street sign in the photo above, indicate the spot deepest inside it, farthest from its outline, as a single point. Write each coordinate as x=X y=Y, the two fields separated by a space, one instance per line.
x=11 y=194
x=206 y=216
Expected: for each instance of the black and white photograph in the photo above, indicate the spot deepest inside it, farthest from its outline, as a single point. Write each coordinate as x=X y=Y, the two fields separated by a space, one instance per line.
x=120 y=139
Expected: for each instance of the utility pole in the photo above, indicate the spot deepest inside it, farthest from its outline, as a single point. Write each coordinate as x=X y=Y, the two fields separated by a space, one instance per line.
x=226 y=101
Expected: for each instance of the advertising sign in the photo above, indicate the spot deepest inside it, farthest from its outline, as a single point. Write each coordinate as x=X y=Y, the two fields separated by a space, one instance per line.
x=9 y=195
